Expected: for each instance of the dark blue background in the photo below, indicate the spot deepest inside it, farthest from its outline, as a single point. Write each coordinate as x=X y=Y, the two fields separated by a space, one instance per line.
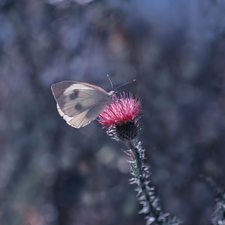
x=51 y=173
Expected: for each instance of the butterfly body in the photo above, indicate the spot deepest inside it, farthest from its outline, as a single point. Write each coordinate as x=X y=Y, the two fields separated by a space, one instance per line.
x=80 y=103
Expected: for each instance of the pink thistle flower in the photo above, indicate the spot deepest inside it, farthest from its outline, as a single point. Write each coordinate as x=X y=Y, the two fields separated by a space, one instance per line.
x=121 y=117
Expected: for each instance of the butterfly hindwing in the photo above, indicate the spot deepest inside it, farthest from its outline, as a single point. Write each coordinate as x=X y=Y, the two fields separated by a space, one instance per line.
x=87 y=116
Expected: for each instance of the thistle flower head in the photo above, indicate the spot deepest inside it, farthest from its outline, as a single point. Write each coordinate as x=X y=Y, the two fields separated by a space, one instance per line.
x=122 y=117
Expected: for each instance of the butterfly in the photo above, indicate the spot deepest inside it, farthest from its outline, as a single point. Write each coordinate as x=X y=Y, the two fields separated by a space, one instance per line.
x=80 y=103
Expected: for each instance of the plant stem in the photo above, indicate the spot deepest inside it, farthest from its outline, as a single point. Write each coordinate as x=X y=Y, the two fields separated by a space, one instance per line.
x=141 y=173
x=146 y=194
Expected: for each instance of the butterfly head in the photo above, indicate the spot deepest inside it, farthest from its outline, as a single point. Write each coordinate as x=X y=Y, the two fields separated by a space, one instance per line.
x=111 y=93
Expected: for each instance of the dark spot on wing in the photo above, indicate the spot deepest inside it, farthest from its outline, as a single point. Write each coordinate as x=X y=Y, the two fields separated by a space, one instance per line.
x=74 y=95
x=59 y=88
x=78 y=107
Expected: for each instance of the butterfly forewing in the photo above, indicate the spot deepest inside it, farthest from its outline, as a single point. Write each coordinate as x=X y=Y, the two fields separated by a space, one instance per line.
x=79 y=103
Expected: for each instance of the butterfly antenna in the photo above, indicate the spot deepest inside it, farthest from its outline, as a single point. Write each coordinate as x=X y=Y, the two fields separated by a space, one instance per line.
x=110 y=81
x=125 y=84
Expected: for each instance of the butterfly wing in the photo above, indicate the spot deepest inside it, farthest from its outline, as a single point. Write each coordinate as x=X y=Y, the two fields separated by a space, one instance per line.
x=79 y=103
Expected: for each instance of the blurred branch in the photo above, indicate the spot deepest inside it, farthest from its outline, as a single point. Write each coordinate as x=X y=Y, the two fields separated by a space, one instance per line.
x=218 y=217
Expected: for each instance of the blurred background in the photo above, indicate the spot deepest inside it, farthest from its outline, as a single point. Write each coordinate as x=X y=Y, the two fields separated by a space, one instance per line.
x=53 y=174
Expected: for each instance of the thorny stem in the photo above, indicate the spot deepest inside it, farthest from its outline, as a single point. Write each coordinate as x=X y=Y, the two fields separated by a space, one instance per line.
x=141 y=176
x=146 y=195
x=218 y=216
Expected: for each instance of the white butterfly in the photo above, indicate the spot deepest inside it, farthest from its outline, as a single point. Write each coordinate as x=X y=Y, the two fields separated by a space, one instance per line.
x=80 y=103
